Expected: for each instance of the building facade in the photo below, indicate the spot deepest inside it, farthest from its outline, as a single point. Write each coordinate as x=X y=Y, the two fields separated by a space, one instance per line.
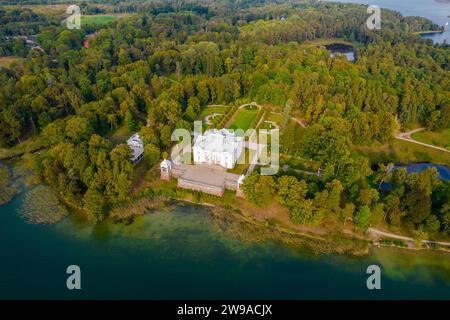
x=218 y=147
x=207 y=179
x=137 y=148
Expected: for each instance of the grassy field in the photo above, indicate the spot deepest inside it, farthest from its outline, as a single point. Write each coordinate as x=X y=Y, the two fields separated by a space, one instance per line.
x=8 y=61
x=440 y=139
x=120 y=136
x=273 y=117
x=211 y=110
x=291 y=138
x=404 y=152
x=241 y=168
x=49 y=9
x=28 y=145
x=97 y=20
x=59 y=10
x=327 y=41
x=243 y=119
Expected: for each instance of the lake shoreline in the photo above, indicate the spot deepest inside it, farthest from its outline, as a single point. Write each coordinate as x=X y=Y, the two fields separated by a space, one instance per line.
x=331 y=241
x=335 y=242
x=429 y=32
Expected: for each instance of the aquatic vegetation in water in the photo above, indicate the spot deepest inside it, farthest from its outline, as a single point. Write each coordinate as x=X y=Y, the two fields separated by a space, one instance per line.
x=41 y=206
x=139 y=207
x=24 y=168
x=7 y=189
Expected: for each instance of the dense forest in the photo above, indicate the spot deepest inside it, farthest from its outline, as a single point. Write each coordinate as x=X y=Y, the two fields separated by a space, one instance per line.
x=170 y=59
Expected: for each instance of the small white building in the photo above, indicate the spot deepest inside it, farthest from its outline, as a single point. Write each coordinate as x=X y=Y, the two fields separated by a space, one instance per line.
x=166 y=169
x=218 y=147
x=137 y=147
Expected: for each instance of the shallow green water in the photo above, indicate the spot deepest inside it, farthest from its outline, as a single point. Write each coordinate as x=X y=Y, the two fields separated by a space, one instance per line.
x=181 y=255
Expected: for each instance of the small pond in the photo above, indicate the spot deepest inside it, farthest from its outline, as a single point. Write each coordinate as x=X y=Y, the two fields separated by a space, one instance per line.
x=444 y=172
x=341 y=49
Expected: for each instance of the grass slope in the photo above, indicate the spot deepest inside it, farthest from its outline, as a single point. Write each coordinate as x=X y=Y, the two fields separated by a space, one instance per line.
x=440 y=139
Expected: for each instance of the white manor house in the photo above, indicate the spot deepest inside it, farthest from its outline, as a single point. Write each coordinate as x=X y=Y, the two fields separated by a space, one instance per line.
x=218 y=147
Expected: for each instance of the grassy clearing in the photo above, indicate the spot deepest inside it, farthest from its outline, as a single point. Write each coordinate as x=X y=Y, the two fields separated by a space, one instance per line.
x=59 y=10
x=275 y=117
x=291 y=138
x=25 y=169
x=211 y=110
x=242 y=164
x=440 y=139
x=30 y=145
x=299 y=163
x=404 y=152
x=120 y=136
x=8 y=61
x=101 y=20
x=49 y=9
x=271 y=117
x=327 y=41
x=243 y=119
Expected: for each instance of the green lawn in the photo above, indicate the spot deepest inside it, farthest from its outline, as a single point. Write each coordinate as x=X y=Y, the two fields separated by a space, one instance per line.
x=291 y=138
x=120 y=135
x=241 y=168
x=273 y=117
x=30 y=145
x=97 y=20
x=243 y=119
x=440 y=139
x=211 y=110
x=404 y=152
x=9 y=60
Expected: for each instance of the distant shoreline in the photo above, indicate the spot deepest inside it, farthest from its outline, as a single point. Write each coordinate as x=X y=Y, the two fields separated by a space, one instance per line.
x=430 y=32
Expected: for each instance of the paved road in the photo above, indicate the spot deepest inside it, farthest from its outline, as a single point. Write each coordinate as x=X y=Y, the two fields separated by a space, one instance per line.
x=396 y=236
x=407 y=137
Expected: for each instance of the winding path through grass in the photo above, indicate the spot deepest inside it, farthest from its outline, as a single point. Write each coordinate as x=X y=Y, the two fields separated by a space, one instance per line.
x=407 y=137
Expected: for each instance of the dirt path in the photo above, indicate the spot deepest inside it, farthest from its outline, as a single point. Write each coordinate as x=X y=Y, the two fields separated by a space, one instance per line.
x=396 y=236
x=301 y=122
x=406 y=136
x=211 y=116
x=253 y=104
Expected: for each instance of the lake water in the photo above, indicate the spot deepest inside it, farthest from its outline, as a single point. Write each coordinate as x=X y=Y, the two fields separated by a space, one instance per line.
x=435 y=10
x=341 y=49
x=349 y=55
x=183 y=254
